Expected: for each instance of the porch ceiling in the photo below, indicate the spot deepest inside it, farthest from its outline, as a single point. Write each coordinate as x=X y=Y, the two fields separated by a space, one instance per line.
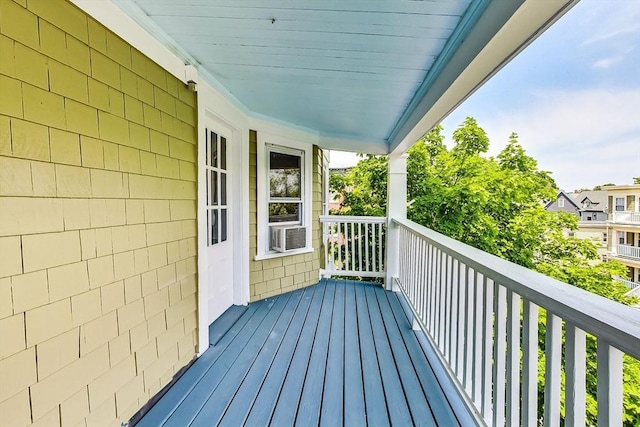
x=354 y=70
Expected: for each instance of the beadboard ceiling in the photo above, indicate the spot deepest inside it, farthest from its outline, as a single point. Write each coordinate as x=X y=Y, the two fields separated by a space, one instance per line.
x=347 y=69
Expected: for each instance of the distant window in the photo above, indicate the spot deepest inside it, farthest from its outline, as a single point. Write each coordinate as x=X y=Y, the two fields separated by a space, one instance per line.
x=619 y=203
x=621 y=237
x=572 y=234
x=588 y=218
x=561 y=202
x=604 y=237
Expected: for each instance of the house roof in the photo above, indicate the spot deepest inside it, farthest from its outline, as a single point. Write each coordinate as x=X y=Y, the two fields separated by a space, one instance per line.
x=370 y=76
x=598 y=200
x=566 y=196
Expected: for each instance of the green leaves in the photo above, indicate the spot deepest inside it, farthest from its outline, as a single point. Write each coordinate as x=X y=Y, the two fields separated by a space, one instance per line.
x=495 y=204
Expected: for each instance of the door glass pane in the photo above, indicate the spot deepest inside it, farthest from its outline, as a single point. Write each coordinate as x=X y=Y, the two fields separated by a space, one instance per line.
x=206 y=183
x=214 y=150
x=223 y=152
x=214 y=188
x=223 y=225
x=214 y=226
x=284 y=175
x=206 y=148
x=208 y=229
x=223 y=188
x=284 y=212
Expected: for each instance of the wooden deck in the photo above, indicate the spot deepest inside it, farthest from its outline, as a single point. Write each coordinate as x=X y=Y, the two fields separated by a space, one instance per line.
x=336 y=353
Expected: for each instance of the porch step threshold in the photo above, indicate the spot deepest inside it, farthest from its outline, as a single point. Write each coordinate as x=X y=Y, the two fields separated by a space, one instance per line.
x=219 y=328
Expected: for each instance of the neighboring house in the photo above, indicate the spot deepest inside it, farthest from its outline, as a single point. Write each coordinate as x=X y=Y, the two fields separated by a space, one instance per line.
x=624 y=229
x=590 y=208
x=563 y=202
x=142 y=197
x=592 y=223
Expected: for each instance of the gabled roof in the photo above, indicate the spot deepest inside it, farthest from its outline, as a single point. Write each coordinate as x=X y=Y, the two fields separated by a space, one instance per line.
x=564 y=195
x=598 y=199
x=363 y=75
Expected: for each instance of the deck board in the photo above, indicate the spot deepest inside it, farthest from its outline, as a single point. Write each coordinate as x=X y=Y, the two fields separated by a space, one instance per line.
x=339 y=353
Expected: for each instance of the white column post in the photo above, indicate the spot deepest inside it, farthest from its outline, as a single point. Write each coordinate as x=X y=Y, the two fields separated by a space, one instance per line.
x=396 y=208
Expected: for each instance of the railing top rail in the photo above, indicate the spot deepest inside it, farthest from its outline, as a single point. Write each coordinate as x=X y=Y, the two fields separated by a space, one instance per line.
x=616 y=323
x=354 y=219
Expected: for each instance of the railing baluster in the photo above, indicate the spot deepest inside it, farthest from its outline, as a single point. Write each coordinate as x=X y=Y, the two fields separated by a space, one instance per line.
x=461 y=320
x=453 y=315
x=360 y=247
x=469 y=334
x=443 y=302
x=499 y=354
x=575 y=384
x=487 y=347
x=553 y=352
x=446 y=308
x=381 y=240
x=478 y=340
x=513 y=359
x=529 y=365
x=609 y=385
x=366 y=246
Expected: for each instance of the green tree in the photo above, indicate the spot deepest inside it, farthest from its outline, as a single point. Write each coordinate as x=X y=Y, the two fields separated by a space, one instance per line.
x=495 y=204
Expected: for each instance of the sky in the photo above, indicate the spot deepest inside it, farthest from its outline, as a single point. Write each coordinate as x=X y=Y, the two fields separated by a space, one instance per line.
x=572 y=96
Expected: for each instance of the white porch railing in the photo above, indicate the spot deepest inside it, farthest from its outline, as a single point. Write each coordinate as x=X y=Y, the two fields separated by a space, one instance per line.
x=626 y=217
x=481 y=314
x=628 y=283
x=628 y=251
x=353 y=246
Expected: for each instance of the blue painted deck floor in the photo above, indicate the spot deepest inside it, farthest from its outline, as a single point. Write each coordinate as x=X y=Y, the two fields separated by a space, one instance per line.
x=333 y=354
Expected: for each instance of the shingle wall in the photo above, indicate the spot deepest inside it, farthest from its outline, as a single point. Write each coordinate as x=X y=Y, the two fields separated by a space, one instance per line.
x=97 y=220
x=283 y=274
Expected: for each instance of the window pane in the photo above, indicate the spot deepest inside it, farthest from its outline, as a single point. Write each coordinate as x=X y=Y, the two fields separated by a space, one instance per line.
x=214 y=149
x=214 y=188
x=284 y=175
x=223 y=225
x=214 y=226
x=223 y=188
x=284 y=212
x=223 y=153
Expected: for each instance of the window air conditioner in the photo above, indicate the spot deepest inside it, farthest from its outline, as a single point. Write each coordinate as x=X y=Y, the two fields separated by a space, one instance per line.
x=287 y=238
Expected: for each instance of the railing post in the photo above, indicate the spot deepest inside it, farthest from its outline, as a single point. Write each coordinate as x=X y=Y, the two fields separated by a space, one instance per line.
x=396 y=208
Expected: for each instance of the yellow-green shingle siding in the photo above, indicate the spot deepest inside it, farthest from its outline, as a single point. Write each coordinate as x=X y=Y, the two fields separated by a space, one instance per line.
x=283 y=274
x=97 y=220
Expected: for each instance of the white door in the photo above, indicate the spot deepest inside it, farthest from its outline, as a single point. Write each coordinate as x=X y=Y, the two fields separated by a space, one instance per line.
x=219 y=245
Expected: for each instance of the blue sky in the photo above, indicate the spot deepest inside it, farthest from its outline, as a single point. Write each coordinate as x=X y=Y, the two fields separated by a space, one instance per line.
x=573 y=97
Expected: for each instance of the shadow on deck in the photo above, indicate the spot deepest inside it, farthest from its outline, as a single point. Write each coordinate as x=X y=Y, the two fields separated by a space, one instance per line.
x=336 y=353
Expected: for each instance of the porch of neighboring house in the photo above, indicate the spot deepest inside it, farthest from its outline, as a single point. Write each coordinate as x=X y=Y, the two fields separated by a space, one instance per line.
x=336 y=353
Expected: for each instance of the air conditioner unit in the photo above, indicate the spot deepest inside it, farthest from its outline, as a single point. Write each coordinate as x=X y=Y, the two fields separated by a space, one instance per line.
x=286 y=238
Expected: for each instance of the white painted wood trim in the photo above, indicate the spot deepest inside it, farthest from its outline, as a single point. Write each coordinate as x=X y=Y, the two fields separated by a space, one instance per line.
x=610 y=320
x=212 y=104
x=291 y=139
x=610 y=407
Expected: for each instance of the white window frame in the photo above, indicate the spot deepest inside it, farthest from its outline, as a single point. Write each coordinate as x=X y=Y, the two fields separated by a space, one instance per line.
x=561 y=202
x=271 y=142
x=272 y=148
x=621 y=204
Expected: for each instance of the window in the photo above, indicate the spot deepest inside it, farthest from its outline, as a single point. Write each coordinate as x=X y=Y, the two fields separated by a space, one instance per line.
x=621 y=237
x=284 y=196
x=285 y=185
x=216 y=188
x=560 y=202
x=604 y=236
x=619 y=203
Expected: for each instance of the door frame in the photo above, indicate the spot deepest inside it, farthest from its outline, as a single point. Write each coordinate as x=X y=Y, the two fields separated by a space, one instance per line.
x=213 y=109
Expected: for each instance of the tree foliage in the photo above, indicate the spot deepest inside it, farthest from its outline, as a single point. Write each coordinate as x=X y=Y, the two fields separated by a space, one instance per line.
x=495 y=204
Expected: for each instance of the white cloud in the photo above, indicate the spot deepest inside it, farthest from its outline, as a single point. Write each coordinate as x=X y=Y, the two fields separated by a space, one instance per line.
x=585 y=137
x=607 y=62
